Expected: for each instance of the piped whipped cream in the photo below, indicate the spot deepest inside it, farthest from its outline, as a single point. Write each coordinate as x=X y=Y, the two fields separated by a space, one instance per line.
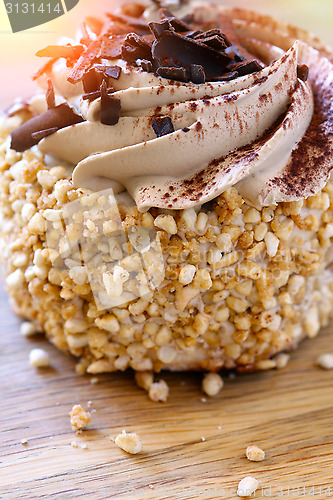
x=249 y=132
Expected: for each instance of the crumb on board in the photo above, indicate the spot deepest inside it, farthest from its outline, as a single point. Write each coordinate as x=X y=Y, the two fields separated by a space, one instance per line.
x=39 y=358
x=28 y=329
x=129 y=442
x=325 y=361
x=247 y=486
x=79 y=418
x=212 y=383
x=24 y=441
x=254 y=453
x=159 y=391
x=94 y=380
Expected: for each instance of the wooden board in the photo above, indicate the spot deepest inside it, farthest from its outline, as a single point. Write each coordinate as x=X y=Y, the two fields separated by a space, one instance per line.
x=289 y=413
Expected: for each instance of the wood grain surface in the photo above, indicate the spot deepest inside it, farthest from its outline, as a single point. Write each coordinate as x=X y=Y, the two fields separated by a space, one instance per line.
x=194 y=447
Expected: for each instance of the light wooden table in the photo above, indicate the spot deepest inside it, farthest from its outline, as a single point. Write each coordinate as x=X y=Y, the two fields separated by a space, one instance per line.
x=289 y=413
x=193 y=448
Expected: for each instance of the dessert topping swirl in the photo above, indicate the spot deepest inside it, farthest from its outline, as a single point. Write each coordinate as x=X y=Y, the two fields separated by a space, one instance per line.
x=176 y=114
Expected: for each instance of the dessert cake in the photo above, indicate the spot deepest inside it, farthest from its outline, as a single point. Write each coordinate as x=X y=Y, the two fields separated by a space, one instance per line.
x=166 y=201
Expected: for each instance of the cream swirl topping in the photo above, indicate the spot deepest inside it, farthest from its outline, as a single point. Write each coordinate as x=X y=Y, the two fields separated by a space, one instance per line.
x=242 y=132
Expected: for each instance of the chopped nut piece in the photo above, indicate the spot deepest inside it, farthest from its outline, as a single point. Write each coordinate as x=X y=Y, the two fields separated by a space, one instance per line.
x=212 y=383
x=28 y=329
x=79 y=418
x=325 y=361
x=166 y=222
x=129 y=442
x=159 y=391
x=39 y=358
x=247 y=486
x=144 y=380
x=254 y=453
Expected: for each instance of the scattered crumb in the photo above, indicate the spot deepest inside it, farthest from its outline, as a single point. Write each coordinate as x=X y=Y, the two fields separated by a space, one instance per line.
x=24 y=441
x=282 y=360
x=89 y=404
x=247 y=486
x=219 y=427
x=151 y=486
x=144 y=379
x=203 y=439
x=203 y=400
x=254 y=453
x=75 y=444
x=94 y=380
x=28 y=329
x=39 y=358
x=159 y=391
x=129 y=442
x=325 y=361
x=79 y=418
x=212 y=383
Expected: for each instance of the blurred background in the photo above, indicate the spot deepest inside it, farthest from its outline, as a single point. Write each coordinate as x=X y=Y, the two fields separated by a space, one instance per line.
x=18 y=63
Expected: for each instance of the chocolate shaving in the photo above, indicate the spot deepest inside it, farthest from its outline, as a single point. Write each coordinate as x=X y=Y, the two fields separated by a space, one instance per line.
x=158 y=28
x=59 y=117
x=173 y=73
x=109 y=71
x=91 y=81
x=135 y=47
x=226 y=77
x=91 y=96
x=178 y=25
x=85 y=61
x=146 y=66
x=197 y=74
x=186 y=51
x=111 y=46
x=110 y=107
x=162 y=126
x=38 y=136
x=303 y=72
x=66 y=51
x=50 y=98
x=246 y=68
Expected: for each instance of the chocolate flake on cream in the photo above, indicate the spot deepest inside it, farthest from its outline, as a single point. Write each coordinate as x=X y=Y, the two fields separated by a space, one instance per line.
x=110 y=107
x=56 y=118
x=162 y=126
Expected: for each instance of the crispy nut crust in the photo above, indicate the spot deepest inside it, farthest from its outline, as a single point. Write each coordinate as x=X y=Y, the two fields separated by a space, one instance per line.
x=240 y=285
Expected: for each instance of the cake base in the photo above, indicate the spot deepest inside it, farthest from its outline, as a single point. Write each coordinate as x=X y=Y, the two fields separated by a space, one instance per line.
x=222 y=286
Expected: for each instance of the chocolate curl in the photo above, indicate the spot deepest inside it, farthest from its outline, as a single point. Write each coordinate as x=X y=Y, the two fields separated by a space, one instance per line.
x=24 y=137
x=50 y=98
x=110 y=107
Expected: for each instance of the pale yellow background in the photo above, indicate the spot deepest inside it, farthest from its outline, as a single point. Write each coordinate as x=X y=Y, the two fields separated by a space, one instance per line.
x=17 y=60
